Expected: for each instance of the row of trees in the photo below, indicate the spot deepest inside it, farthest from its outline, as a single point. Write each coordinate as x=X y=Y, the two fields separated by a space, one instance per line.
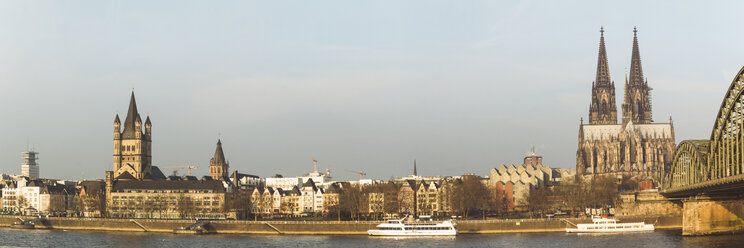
x=574 y=195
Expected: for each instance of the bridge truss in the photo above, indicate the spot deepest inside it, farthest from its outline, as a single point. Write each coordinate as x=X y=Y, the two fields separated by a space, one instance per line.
x=717 y=164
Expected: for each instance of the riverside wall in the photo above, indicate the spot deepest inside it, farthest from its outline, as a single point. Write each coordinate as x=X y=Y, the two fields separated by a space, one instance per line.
x=318 y=227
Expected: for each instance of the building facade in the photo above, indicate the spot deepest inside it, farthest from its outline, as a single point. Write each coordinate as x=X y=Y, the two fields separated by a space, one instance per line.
x=132 y=145
x=635 y=146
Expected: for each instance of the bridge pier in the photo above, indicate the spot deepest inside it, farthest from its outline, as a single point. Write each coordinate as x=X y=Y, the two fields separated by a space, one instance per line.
x=706 y=215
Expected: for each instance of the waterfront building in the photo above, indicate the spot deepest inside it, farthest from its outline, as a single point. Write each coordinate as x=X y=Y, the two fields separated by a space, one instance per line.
x=515 y=182
x=28 y=196
x=407 y=197
x=286 y=183
x=165 y=199
x=266 y=201
x=291 y=202
x=92 y=199
x=312 y=197
x=331 y=198
x=246 y=181
x=376 y=203
x=132 y=146
x=53 y=199
x=30 y=168
x=444 y=196
x=218 y=166
x=636 y=145
x=426 y=198
x=9 y=197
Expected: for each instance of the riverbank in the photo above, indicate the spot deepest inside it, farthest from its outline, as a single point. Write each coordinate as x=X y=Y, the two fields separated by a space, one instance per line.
x=318 y=227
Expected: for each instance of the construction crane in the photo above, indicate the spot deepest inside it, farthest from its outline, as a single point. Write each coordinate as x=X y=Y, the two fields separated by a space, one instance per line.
x=187 y=167
x=361 y=173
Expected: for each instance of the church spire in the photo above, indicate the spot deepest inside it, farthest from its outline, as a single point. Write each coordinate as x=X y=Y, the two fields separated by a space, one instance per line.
x=636 y=70
x=218 y=166
x=637 y=101
x=602 y=109
x=219 y=155
x=132 y=116
x=603 y=70
x=414 y=167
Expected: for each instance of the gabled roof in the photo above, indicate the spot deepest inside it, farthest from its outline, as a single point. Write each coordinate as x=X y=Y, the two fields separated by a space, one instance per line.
x=157 y=174
x=93 y=187
x=126 y=176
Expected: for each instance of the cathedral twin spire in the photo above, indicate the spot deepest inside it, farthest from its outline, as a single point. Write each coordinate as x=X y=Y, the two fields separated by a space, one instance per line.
x=636 y=105
x=603 y=109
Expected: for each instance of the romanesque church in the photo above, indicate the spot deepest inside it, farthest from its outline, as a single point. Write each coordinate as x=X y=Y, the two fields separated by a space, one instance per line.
x=634 y=147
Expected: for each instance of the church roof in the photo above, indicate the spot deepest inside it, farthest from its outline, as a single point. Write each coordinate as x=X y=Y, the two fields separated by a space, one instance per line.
x=132 y=117
x=157 y=174
x=605 y=132
x=126 y=176
x=219 y=155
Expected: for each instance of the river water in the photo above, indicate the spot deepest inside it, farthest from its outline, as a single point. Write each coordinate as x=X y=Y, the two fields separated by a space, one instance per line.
x=57 y=238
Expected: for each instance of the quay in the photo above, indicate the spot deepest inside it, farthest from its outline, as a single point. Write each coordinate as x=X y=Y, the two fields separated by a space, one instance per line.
x=315 y=227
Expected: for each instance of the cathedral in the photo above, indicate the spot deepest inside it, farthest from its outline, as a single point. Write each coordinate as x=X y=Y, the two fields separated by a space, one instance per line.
x=634 y=147
x=132 y=146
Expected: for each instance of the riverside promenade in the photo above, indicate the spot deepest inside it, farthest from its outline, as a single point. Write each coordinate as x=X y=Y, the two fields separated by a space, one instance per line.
x=317 y=227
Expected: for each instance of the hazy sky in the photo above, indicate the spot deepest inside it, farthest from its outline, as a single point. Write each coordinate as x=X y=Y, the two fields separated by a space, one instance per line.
x=462 y=86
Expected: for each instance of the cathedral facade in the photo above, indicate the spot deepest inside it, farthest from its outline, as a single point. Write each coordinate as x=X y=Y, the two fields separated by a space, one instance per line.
x=132 y=145
x=636 y=146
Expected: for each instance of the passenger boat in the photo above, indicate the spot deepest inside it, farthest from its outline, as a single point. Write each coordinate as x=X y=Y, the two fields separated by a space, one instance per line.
x=605 y=225
x=399 y=228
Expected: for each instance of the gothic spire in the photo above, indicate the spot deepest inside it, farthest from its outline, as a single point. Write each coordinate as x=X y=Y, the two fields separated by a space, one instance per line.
x=131 y=118
x=414 y=167
x=603 y=70
x=219 y=156
x=636 y=71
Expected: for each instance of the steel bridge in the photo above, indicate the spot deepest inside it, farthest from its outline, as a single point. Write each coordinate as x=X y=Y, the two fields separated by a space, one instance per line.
x=713 y=167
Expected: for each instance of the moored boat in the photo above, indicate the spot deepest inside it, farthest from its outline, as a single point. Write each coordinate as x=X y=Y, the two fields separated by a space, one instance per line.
x=605 y=225
x=399 y=228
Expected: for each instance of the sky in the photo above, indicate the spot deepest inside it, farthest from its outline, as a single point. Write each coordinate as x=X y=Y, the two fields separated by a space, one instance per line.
x=460 y=86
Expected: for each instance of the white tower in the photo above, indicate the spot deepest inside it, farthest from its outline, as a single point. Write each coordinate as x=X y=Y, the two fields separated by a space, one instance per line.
x=30 y=168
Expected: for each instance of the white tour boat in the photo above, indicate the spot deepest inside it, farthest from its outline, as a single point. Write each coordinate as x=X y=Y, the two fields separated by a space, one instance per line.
x=399 y=228
x=605 y=225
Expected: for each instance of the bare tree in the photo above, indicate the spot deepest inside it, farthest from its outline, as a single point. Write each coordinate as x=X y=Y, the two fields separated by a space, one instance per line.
x=21 y=202
x=350 y=200
x=185 y=206
x=537 y=201
x=472 y=195
x=94 y=203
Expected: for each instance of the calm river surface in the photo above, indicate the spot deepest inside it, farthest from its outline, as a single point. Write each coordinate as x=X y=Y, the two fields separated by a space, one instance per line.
x=55 y=238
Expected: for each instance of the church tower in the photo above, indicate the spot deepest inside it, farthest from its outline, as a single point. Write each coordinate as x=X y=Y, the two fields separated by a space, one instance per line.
x=637 y=99
x=132 y=146
x=218 y=166
x=603 y=110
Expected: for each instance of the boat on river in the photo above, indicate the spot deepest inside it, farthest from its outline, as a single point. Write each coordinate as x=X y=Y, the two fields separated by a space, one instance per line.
x=605 y=225
x=400 y=228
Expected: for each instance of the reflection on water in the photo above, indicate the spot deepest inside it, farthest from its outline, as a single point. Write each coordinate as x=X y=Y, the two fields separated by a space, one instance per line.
x=659 y=238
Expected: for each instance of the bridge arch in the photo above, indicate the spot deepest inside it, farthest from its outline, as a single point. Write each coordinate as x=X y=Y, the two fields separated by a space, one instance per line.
x=699 y=164
x=726 y=138
x=689 y=165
